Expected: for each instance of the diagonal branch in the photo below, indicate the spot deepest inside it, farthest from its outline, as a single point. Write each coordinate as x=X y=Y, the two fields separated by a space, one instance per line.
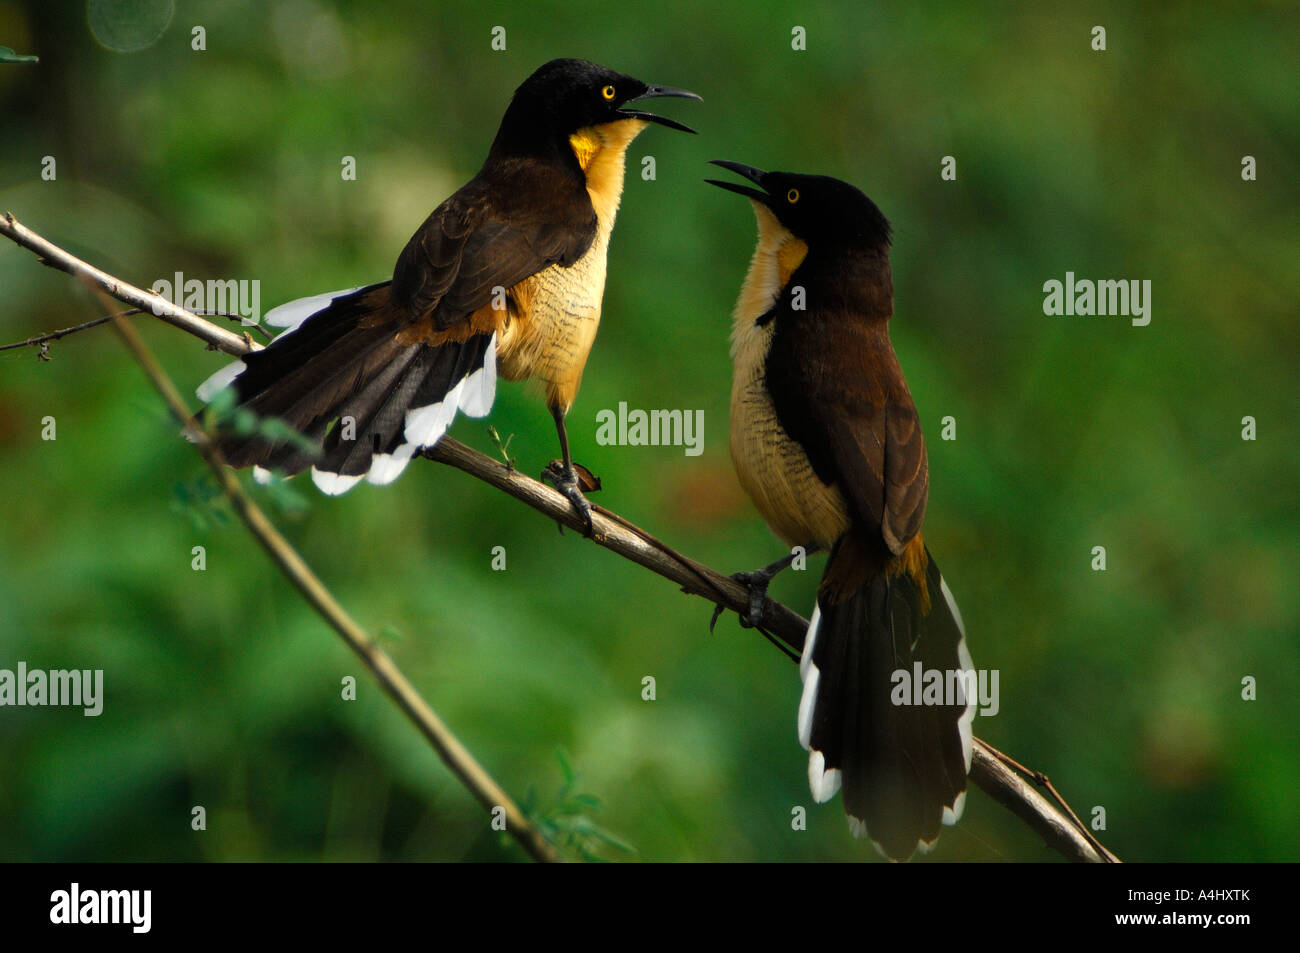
x=390 y=677
x=989 y=768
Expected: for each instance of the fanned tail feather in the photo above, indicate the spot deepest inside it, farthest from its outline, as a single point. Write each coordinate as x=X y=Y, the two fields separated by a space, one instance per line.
x=365 y=401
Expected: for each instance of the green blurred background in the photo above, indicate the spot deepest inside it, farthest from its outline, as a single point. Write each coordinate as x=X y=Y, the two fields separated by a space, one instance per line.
x=223 y=688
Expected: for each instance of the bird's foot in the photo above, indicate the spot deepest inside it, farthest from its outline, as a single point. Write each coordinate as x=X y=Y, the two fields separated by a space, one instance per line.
x=570 y=482
x=756 y=582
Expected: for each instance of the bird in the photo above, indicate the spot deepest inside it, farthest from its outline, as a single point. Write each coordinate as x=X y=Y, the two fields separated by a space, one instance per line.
x=826 y=441
x=505 y=277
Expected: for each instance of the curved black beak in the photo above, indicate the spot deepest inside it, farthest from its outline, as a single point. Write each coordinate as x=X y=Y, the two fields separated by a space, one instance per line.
x=661 y=92
x=748 y=171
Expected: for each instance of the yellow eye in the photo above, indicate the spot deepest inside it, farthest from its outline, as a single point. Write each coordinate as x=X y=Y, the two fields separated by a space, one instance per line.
x=792 y=196
x=608 y=92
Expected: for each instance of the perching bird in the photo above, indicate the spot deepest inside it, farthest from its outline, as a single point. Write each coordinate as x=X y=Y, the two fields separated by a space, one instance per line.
x=826 y=441
x=505 y=276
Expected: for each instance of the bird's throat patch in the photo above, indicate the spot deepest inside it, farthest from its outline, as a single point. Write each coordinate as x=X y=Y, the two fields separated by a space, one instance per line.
x=778 y=255
x=600 y=151
x=610 y=138
x=585 y=144
x=790 y=257
x=775 y=239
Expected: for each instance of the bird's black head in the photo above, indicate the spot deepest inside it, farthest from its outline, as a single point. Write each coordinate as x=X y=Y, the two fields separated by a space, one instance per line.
x=564 y=96
x=815 y=208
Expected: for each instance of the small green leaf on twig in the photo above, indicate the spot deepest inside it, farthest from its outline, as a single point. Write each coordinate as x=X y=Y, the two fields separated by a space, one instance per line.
x=9 y=56
x=502 y=448
x=566 y=822
x=202 y=502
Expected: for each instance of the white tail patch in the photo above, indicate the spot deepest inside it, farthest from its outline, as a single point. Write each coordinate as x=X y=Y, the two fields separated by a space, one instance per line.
x=968 y=716
x=292 y=314
x=823 y=783
x=219 y=381
x=810 y=675
x=951 y=815
x=807 y=704
x=481 y=386
x=334 y=484
x=261 y=476
x=426 y=425
x=473 y=395
x=387 y=467
x=805 y=661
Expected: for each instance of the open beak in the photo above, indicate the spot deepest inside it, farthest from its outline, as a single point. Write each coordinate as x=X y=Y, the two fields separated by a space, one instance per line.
x=748 y=171
x=660 y=92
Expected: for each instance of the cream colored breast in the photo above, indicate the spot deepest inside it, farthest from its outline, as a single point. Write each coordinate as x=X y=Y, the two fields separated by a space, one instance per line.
x=555 y=336
x=773 y=469
x=562 y=321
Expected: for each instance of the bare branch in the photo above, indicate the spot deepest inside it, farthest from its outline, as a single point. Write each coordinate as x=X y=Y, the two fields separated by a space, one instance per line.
x=155 y=304
x=1013 y=792
x=1044 y=781
x=616 y=534
x=64 y=332
x=48 y=336
x=989 y=771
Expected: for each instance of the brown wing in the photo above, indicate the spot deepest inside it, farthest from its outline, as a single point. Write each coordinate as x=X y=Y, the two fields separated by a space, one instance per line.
x=839 y=392
x=499 y=229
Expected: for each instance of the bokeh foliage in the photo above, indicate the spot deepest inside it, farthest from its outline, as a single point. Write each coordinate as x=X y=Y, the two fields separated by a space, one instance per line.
x=222 y=686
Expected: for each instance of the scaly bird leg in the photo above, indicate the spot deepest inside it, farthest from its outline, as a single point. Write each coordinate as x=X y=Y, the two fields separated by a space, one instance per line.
x=757 y=583
x=560 y=474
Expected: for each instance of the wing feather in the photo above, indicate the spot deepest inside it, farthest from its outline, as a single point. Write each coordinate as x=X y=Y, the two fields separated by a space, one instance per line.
x=482 y=239
x=839 y=392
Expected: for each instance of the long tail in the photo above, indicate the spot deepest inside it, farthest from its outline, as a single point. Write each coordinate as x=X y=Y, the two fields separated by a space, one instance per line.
x=365 y=400
x=902 y=765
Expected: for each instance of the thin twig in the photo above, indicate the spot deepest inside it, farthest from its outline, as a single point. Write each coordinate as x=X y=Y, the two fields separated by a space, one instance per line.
x=88 y=325
x=1064 y=834
x=64 y=332
x=1042 y=780
x=490 y=794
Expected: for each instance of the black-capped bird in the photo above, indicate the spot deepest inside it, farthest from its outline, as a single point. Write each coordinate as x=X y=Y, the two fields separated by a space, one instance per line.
x=504 y=277
x=826 y=441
